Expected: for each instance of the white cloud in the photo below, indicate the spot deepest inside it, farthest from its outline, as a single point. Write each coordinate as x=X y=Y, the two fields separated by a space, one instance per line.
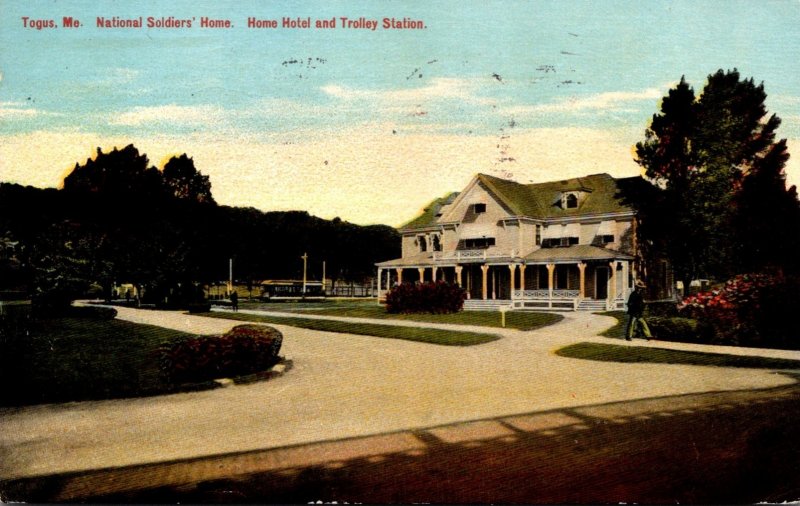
x=171 y=114
x=438 y=88
x=19 y=110
x=610 y=101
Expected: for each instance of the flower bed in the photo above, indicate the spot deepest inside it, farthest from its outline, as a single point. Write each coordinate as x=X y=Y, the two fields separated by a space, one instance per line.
x=245 y=349
x=432 y=297
x=748 y=310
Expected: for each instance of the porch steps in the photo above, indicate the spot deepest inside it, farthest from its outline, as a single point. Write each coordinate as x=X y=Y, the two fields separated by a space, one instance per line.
x=485 y=305
x=591 y=305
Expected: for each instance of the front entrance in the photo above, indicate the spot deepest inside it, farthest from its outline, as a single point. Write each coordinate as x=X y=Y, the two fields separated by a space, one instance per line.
x=601 y=283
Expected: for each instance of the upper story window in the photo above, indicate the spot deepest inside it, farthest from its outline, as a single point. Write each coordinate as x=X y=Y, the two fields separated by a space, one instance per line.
x=538 y=235
x=560 y=242
x=423 y=243
x=608 y=238
x=479 y=243
x=436 y=243
x=479 y=208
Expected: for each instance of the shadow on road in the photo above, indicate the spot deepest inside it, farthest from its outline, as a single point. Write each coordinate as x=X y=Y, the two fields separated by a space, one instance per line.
x=715 y=447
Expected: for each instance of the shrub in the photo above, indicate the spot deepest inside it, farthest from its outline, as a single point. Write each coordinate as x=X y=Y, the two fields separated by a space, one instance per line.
x=431 y=297
x=748 y=310
x=200 y=307
x=245 y=349
x=674 y=329
x=92 y=312
x=662 y=309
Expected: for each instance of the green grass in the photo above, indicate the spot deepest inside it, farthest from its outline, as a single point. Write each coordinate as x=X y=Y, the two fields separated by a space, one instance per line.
x=72 y=359
x=519 y=320
x=419 y=334
x=618 y=330
x=639 y=354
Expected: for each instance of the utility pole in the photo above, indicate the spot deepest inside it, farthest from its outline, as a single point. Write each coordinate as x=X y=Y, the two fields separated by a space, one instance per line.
x=305 y=262
x=230 y=276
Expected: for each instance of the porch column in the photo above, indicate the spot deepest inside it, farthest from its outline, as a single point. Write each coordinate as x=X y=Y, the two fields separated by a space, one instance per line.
x=484 y=288
x=522 y=279
x=625 y=277
x=551 y=269
x=421 y=274
x=582 y=269
x=513 y=269
x=380 y=280
x=399 y=275
x=434 y=269
x=458 y=274
x=612 y=294
x=388 y=280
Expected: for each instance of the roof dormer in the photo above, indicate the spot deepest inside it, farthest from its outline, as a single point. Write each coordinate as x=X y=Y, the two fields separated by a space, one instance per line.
x=571 y=199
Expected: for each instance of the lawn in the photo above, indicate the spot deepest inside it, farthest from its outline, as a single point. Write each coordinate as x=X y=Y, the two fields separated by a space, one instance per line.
x=639 y=354
x=519 y=320
x=73 y=359
x=618 y=330
x=419 y=334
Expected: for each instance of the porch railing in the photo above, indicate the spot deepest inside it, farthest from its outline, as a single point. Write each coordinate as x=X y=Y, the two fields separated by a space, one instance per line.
x=545 y=294
x=470 y=255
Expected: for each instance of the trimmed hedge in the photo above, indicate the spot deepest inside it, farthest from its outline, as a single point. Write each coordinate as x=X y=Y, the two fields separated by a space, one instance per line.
x=674 y=329
x=93 y=312
x=245 y=349
x=431 y=297
x=200 y=307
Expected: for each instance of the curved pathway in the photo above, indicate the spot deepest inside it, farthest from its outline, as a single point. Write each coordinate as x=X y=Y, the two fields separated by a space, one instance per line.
x=347 y=386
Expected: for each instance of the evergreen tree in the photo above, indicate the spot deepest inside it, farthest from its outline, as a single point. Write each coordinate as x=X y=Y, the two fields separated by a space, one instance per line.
x=720 y=179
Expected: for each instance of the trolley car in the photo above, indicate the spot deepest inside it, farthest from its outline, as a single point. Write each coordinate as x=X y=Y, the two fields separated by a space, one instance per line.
x=277 y=290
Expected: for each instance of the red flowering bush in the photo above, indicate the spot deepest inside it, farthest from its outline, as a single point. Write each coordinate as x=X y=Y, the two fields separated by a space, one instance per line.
x=431 y=297
x=735 y=312
x=245 y=349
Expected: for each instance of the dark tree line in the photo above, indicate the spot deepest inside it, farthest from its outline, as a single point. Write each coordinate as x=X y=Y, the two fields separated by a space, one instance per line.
x=119 y=219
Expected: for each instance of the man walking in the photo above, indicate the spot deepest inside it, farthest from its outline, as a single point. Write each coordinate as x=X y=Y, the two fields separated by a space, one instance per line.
x=636 y=312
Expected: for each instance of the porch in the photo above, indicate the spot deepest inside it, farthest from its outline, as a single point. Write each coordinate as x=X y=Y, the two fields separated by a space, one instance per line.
x=593 y=284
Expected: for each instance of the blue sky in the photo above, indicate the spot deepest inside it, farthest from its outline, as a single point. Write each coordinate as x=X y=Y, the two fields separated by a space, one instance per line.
x=370 y=125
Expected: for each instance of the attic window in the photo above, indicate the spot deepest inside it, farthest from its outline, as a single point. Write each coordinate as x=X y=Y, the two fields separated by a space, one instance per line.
x=479 y=208
x=570 y=201
x=607 y=238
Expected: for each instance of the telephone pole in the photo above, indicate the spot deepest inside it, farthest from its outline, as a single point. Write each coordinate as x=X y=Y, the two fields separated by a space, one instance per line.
x=305 y=262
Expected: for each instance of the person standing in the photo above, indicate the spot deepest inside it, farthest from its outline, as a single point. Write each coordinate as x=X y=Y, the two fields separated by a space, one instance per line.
x=235 y=300
x=636 y=313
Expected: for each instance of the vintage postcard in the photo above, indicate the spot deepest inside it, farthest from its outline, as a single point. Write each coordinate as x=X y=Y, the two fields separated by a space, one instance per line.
x=517 y=251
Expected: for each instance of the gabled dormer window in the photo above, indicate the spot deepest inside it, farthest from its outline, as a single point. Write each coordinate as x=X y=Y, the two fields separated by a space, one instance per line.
x=479 y=208
x=570 y=201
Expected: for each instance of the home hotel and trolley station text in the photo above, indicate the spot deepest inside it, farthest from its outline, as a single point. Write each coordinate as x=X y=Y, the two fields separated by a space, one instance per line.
x=171 y=22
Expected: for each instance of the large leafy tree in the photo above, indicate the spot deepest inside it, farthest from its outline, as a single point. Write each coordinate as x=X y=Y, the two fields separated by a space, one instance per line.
x=720 y=178
x=184 y=181
x=120 y=172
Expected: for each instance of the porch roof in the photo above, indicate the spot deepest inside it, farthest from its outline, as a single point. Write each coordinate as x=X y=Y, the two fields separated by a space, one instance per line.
x=576 y=253
x=423 y=259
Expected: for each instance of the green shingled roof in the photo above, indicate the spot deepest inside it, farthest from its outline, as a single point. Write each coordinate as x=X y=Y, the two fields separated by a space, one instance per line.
x=429 y=212
x=600 y=194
